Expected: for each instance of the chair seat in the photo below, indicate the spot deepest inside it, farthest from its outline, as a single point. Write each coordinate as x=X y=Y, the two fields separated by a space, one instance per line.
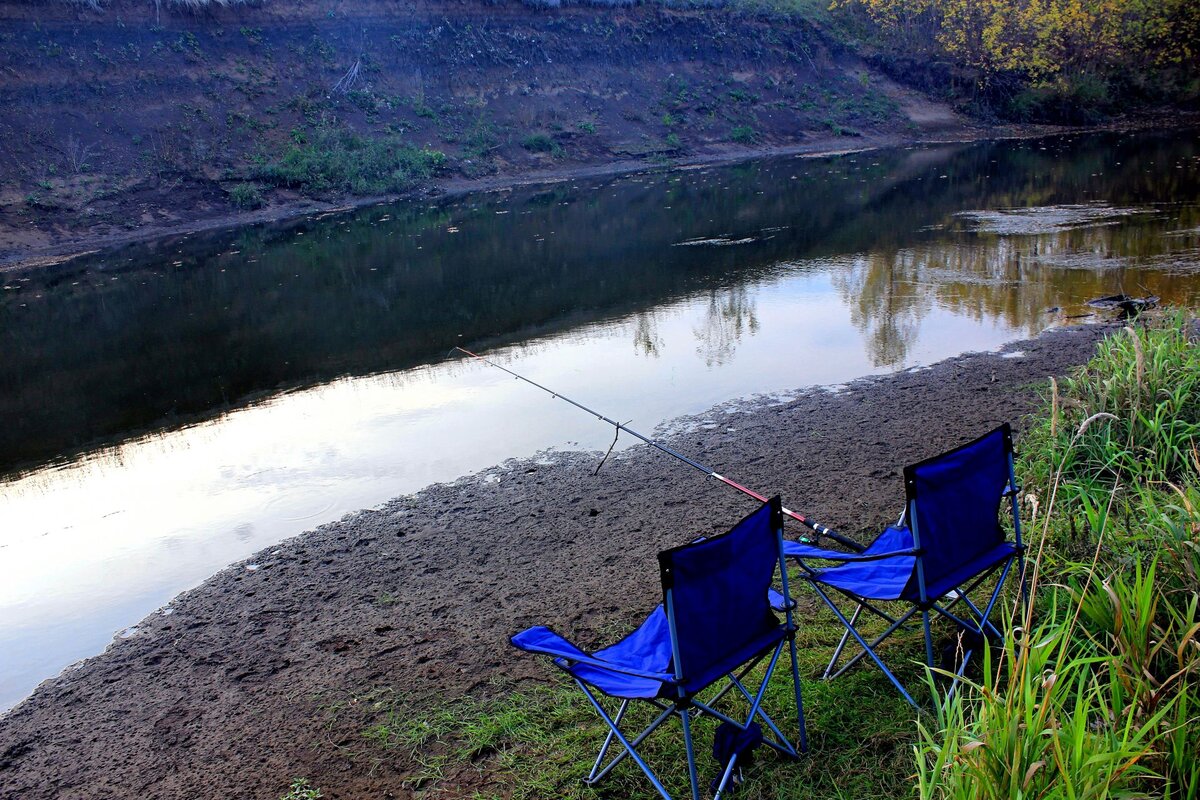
x=965 y=572
x=647 y=649
x=884 y=579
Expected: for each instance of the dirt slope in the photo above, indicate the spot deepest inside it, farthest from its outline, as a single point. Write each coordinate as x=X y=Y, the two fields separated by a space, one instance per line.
x=124 y=122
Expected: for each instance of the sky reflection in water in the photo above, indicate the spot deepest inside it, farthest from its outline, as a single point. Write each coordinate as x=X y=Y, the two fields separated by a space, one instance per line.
x=646 y=298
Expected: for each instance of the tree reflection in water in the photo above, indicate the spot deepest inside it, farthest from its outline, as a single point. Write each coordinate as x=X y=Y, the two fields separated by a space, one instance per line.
x=729 y=315
x=1067 y=256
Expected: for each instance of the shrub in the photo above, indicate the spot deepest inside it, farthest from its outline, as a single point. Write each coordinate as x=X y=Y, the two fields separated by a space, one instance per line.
x=336 y=159
x=246 y=195
x=541 y=143
x=1075 y=98
x=744 y=134
x=1142 y=391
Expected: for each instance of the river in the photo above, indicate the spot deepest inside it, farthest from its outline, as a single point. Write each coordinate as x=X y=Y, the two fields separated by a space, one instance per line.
x=175 y=406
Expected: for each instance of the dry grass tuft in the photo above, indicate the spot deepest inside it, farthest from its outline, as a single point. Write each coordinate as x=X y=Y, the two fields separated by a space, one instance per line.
x=98 y=5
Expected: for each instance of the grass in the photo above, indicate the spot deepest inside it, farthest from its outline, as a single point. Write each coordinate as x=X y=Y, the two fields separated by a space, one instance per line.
x=542 y=143
x=1099 y=694
x=338 y=160
x=744 y=134
x=1143 y=388
x=301 y=790
x=539 y=742
x=246 y=195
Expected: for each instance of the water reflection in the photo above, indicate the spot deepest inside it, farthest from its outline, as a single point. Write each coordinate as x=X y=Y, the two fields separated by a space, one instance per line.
x=729 y=314
x=186 y=328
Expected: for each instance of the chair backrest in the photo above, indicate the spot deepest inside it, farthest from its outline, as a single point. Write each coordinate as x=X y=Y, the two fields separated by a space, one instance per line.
x=715 y=591
x=954 y=502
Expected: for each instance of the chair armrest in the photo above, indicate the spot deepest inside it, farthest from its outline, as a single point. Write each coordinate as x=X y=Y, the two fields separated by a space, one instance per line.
x=540 y=639
x=778 y=601
x=800 y=551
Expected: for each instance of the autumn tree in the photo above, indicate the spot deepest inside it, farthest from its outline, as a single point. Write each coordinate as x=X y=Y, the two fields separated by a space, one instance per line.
x=1041 y=42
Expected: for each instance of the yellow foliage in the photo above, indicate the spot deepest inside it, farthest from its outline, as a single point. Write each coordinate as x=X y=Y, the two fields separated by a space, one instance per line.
x=1044 y=38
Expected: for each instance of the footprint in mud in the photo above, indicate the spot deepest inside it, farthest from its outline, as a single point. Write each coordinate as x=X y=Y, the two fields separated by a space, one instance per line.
x=337 y=645
x=175 y=728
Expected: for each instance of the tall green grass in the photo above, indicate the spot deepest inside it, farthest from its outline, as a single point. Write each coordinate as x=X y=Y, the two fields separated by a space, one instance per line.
x=1142 y=394
x=1097 y=694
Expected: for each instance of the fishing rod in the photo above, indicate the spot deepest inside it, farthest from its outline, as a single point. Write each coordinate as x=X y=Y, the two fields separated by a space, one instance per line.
x=815 y=526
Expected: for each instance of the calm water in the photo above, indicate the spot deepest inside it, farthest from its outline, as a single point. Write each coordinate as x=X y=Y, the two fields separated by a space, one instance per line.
x=174 y=407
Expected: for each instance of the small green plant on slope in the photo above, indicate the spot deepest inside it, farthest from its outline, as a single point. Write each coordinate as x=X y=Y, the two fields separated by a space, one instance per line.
x=301 y=790
x=744 y=134
x=542 y=143
x=246 y=195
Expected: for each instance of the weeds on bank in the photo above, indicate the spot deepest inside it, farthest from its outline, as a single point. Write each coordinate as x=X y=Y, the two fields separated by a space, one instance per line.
x=1097 y=694
x=1144 y=384
x=301 y=790
x=336 y=159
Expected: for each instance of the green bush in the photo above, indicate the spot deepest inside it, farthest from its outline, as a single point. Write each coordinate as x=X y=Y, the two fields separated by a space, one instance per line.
x=335 y=159
x=744 y=134
x=1132 y=414
x=542 y=143
x=1076 y=98
x=246 y=195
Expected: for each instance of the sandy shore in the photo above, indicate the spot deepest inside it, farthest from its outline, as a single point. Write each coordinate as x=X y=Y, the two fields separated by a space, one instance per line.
x=228 y=691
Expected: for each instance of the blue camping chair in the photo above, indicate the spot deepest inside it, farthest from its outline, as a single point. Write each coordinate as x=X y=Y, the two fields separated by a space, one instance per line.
x=952 y=542
x=715 y=625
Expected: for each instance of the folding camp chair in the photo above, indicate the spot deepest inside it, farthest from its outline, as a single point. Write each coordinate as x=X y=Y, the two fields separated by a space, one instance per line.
x=952 y=542
x=715 y=625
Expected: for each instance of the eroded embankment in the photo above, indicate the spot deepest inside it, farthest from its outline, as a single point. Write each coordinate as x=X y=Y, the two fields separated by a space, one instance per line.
x=135 y=122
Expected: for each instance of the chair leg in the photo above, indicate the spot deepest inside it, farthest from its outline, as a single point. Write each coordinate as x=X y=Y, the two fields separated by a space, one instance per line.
x=858 y=637
x=691 y=752
x=837 y=652
x=725 y=777
x=607 y=741
x=799 y=699
x=878 y=639
x=630 y=747
x=928 y=638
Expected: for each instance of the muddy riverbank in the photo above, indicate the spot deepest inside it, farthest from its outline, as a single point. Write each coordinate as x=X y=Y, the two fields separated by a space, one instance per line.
x=253 y=678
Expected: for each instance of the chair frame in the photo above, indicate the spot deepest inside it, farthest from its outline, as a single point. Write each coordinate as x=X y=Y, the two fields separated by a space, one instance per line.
x=980 y=622
x=687 y=706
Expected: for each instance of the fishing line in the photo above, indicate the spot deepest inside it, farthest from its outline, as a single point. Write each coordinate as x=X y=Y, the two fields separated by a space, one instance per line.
x=813 y=525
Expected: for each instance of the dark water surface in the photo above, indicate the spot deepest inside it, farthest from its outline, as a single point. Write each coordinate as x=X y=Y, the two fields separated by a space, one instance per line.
x=173 y=407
